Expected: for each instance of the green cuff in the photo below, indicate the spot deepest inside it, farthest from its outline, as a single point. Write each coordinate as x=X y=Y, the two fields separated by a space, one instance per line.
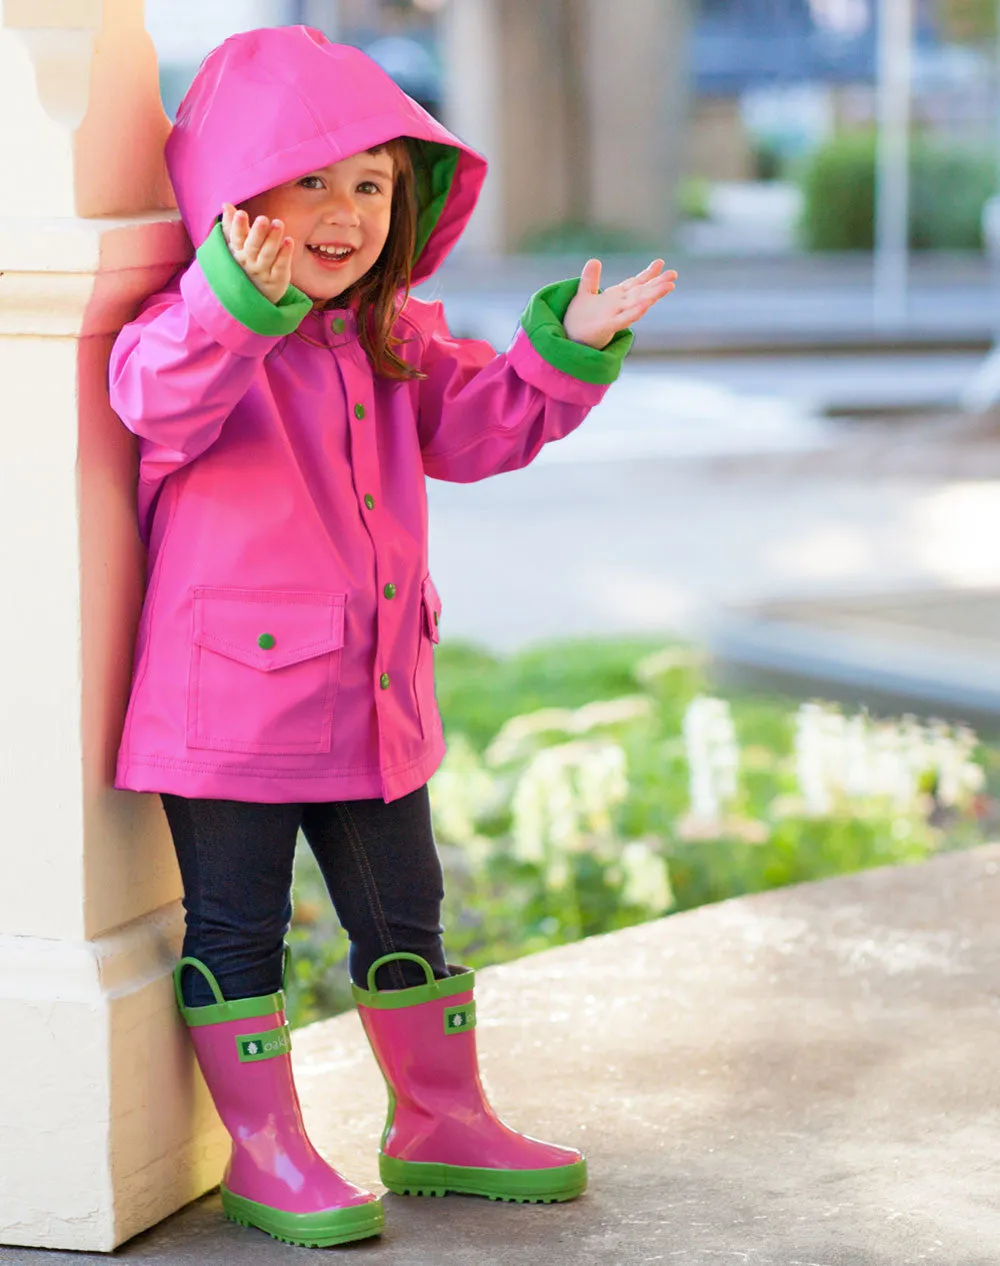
x=241 y=298
x=542 y=320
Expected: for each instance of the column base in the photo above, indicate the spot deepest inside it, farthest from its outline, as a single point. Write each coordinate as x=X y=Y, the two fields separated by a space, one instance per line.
x=106 y=1126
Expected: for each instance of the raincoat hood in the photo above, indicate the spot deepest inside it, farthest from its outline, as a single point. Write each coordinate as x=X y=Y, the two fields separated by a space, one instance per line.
x=270 y=105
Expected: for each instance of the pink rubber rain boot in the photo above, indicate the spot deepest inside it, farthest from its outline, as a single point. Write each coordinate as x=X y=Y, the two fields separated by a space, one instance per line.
x=275 y=1179
x=441 y=1135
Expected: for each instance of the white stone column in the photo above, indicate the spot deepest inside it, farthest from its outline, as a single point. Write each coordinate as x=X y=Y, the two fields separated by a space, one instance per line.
x=579 y=106
x=637 y=89
x=104 y=1126
x=470 y=34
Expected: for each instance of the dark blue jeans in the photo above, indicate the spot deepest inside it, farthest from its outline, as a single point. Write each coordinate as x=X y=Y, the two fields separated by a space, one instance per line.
x=379 y=862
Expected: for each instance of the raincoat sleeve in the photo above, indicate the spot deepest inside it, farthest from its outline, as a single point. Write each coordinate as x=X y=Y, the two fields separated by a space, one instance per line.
x=180 y=368
x=481 y=413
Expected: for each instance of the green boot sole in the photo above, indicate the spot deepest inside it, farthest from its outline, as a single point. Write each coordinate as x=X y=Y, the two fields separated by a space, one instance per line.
x=308 y=1230
x=523 y=1186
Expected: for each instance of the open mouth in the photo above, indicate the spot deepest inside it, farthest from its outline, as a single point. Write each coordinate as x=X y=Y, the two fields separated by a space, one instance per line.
x=331 y=254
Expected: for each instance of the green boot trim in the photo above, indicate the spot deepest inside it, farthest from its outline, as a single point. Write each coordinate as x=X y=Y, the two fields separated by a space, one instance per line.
x=309 y=1230
x=525 y=1186
x=393 y=999
x=221 y=1011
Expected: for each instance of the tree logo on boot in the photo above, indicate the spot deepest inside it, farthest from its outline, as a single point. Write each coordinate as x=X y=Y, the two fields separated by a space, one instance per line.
x=458 y=1019
x=254 y=1046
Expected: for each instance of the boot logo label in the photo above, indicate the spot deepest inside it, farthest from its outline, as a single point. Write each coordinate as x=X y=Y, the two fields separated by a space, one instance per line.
x=458 y=1019
x=254 y=1046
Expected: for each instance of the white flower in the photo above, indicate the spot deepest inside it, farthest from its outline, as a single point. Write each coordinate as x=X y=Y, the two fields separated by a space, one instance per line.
x=657 y=665
x=564 y=797
x=713 y=756
x=647 y=880
x=856 y=758
x=522 y=735
x=462 y=792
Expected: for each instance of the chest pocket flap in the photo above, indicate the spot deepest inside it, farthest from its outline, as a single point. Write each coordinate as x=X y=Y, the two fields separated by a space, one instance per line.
x=265 y=629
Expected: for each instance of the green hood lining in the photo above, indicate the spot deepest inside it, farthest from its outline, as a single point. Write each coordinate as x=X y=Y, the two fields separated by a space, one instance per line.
x=434 y=167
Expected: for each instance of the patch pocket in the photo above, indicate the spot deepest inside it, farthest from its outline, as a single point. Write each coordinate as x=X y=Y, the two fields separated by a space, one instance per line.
x=265 y=669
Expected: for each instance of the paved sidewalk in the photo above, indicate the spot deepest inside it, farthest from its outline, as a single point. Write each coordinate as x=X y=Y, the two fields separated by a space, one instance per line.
x=803 y=1078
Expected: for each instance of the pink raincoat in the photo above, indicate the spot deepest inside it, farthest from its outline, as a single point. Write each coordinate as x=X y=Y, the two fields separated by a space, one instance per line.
x=285 y=650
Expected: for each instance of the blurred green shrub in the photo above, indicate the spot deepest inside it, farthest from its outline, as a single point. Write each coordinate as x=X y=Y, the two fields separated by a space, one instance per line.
x=769 y=161
x=692 y=198
x=572 y=238
x=948 y=188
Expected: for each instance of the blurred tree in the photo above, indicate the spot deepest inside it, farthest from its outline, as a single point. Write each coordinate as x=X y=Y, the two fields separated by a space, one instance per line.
x=967 y=21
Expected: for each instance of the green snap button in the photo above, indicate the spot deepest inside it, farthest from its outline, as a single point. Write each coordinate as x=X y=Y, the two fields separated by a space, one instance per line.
x=369 y=501
x=383 y=681
x=265 y=641
x=359 y=411
x=338 y=324
x=390 y=590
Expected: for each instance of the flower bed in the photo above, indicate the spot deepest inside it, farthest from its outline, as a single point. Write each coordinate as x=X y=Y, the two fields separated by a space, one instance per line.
x=592 y=785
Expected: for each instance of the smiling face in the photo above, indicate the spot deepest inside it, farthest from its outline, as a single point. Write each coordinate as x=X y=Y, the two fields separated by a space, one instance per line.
x=338 y=217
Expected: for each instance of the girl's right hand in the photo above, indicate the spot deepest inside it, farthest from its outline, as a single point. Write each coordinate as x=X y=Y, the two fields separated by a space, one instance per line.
x=260 y=249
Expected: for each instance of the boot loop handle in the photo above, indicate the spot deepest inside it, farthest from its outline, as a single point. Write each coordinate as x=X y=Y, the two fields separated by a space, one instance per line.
x=199 y=966
x=400 y=956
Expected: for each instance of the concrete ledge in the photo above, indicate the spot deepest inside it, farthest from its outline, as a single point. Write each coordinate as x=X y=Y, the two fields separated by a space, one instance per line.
x=934 y=651
x=805 y=1076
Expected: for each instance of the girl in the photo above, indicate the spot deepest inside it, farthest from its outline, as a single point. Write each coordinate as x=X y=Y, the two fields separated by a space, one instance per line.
x=289 y=399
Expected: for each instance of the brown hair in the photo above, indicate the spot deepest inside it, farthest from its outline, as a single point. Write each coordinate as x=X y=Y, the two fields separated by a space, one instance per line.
x=376 y=292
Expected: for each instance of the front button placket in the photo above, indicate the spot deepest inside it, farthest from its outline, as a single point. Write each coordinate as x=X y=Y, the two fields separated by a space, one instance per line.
x=366 y=470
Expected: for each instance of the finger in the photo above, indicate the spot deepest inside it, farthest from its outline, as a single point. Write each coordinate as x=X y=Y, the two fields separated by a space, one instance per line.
x=257 y=236
x=228 y=211
x=650 y=271
x=629 y=315
x=240 y=229
x=282 y=270
x=271 y=245
x=590 y=278
x=657 y=288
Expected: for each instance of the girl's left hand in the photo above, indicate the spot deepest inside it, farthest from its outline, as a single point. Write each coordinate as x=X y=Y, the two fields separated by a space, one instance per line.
x=595 y=319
